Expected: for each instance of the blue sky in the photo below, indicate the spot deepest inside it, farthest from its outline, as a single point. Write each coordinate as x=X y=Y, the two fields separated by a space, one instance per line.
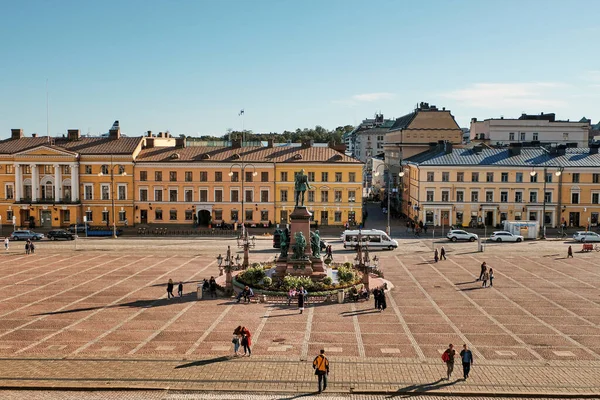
x=190 y=66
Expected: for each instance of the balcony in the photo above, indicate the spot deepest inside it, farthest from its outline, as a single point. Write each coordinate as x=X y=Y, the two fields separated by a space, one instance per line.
x=48 y=200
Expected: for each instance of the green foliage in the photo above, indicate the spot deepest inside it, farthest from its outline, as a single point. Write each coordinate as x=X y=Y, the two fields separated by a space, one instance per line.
x=267 y=281
x=290 y=281
x=327 y=281
x=327 y=261
x=252 y=275
x=346 y=275
x=347 y=264
x=318 y=134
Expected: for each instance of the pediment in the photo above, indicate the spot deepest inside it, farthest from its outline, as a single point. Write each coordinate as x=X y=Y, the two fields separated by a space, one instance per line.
x=46 y=151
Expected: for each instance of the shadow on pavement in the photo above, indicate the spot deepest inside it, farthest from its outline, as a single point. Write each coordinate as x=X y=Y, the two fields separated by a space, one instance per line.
x=359 y=312
x=200 y=363
x=466 y=283
x=425 y=387
x=298 y=396
x=165 y=284
x=472 y=288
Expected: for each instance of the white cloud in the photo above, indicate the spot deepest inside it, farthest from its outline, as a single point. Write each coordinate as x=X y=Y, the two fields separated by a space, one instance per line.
x=593 y=76
x=373 y=96
x=510 y=95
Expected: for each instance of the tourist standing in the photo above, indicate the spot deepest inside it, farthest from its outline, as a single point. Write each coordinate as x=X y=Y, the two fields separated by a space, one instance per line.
x=491 y=277
x=442 y=253
x=246 y=341
x=376 y=297
x=31 y=248
x=212 y=287
x=486 y=276
x=483 y=269
x=467 y=360
x=291 y=294
x=448 y=358
x=27 y=248
x=435 y=255
x=569 y=252
x=170 y=289
x=6 y=243
x=321 y=367
x=180 y=289
x=237 y=334
x=301 y=299
x=382 y=300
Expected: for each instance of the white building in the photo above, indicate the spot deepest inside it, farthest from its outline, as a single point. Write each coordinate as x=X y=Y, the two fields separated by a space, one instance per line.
x=543 y=128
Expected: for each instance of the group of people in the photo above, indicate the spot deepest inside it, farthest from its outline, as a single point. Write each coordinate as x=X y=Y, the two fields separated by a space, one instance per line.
x=329 y=252
x=29 y=247
x=242 y=338
x=247 y=293
x=441 y=255
x=171 y=286
x=465 y=355
x=380 y=301
x=299 y=293
x=416 y=228
x=486 y=275
x=210 y=286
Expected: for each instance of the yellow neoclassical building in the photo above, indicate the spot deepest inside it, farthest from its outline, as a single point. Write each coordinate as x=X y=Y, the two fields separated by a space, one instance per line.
x=55 y=182
x=480 y=185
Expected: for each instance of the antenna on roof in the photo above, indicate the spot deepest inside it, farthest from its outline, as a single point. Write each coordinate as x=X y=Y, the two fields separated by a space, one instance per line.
x=47 y=114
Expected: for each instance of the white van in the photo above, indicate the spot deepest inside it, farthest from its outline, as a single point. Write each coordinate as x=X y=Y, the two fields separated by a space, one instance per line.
x=373 y=238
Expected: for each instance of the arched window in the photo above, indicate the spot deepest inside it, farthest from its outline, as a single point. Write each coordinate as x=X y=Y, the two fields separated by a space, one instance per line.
x=27 y=190
x=47 y=188
x=66 y=190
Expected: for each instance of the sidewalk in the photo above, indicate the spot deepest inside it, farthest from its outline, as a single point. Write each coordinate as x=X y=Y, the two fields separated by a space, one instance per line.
x=277 y=374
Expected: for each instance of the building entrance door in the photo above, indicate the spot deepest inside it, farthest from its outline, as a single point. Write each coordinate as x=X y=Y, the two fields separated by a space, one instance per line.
x=46 y=218
x=445 y=218
x=144 y=216
x=573 y=219
x=489 y=218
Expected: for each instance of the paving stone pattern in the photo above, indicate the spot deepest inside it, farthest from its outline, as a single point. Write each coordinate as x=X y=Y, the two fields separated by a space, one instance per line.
x=90 y=319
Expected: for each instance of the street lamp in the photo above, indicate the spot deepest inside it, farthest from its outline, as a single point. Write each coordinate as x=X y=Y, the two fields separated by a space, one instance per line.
x=242 y=168
x=112 y=191
x=389 y=194
x=533 y=173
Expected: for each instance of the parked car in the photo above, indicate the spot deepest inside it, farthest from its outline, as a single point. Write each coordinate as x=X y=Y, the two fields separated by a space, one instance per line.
x=457 y=234
x=586 y=236
x=80 y=228
x=60 y=234
x=504 y=236
x=25 y=235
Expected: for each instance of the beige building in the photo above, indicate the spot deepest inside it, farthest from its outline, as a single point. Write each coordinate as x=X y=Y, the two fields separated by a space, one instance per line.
x=468 y=187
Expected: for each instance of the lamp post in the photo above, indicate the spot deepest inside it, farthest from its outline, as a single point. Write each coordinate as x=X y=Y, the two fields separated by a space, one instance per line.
x=389 y=194
x=244 y=242
x=362 y=261
x=112 y=192
x=242 y=168
x=533 y=173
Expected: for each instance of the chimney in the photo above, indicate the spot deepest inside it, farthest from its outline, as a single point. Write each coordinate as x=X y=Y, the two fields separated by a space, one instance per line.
x=561 y=149
x=180 y=143
x=73 y=134
x=473 y=120
x=16 y=133
x=341 y=148
x=114 y=133
x=307 y=143
x=149 y=134
x=34 y=135
x=594 y=148
x=269 y=143
x=447 y=147
x=149 y=142
x=514 y=149
x=161 y=135
x=236 y=143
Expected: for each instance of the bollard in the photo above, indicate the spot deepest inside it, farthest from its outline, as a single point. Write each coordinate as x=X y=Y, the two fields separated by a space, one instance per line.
x=340 y=296
x=199 y=292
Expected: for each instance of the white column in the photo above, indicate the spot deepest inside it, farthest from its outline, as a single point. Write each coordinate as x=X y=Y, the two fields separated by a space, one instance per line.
x=18 y=182
x=74 y=182
x=35 y=182
x=57 y=182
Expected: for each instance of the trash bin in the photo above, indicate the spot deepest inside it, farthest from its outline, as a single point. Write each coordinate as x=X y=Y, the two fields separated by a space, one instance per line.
x=481 y=247
x=199 y=292
x=340 y=296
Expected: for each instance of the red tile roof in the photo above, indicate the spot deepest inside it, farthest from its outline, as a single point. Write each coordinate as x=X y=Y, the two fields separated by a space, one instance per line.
x=283 y=154
x=85 y=145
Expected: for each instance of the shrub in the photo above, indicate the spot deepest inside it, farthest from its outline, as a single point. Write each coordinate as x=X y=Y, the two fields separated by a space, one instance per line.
x=252 y=275
x=348 y=264
x=346 y=275
x=290 y=281
x=327 y=280
x=327 y=261
x=267 y=281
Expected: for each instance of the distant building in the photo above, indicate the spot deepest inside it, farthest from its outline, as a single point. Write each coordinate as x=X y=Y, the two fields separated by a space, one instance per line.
x=543 y=128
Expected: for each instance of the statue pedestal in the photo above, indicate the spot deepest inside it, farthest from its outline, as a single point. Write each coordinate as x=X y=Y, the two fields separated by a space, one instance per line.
x=300 y=222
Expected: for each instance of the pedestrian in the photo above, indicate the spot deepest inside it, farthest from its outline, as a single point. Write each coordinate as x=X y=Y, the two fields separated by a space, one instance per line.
x=31 y=248
x=435 y=255
x=246 y=341
x=382 y=300
x=321 y=367
x=27 y=248
x=376 y=297
x=486 y=277
x=212 y=287
x=483 y=269
x=448 y=358
x=291 y=294
x=569 y=251
x=180 y=289
x=170 y=289
x=407 y=226
x=301 y=299
x=6 y=243
x=491 y=277
x=237 y=334
x=442 y=253
x=467 y=360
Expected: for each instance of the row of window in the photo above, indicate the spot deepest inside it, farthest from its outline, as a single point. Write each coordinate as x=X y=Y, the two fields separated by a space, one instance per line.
x=534 y=136
x=518 y=198
x=504 y=177
x=249 y=176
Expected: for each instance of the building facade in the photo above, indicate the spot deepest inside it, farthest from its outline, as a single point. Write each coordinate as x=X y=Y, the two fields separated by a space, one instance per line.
x=471 y=187
x=543 y=128
x=55 y=182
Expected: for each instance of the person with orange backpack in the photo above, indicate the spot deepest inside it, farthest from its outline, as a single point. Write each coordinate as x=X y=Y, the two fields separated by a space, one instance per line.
x=448 y=358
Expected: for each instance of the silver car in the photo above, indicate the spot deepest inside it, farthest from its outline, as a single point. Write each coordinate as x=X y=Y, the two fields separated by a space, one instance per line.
x=457 y=234
x=504 y=236
x=26 y=235
x=586 y=236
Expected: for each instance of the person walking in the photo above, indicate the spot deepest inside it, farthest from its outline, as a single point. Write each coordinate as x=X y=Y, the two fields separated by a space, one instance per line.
x=442 y=253
x=467 y=360
x=486 y=277
x=237 y=334
x=569 y=252
x=376 y=297
x=170 y=289
x=301 y=299
x=435 y=255
x=407 y=226
x=491 y=277
x=290 y=296
x=448 y=358
x=27 y=248
x=321 y=367
x=31 y=248
x=246 y=341
x=6 y=243
x=180 y=289
x=212 y=287
x=483 y=269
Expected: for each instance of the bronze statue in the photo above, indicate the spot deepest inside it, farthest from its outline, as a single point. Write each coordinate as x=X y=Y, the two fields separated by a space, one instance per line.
x=315 y=243
x=299 y=246
x=285 y=242
x=301 y=185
